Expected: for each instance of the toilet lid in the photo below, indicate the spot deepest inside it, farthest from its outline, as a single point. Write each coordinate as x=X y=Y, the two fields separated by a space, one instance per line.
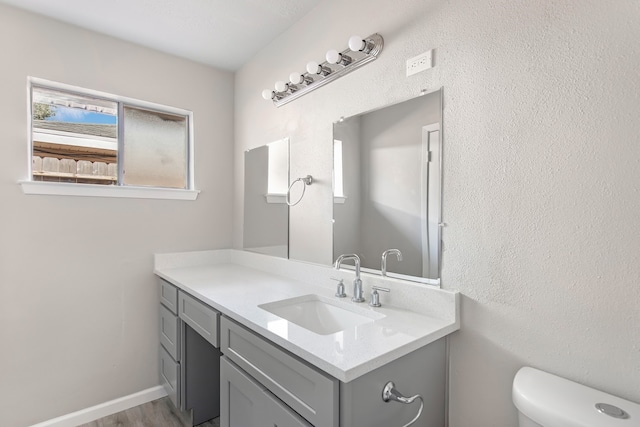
x=553 y=401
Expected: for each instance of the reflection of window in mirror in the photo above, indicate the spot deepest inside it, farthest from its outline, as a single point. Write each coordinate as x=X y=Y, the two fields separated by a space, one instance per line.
x=278 y=168
x=338 y=173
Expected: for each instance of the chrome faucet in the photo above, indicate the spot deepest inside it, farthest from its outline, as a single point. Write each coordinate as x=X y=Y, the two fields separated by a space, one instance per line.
x=384 y=258
x=357 y=283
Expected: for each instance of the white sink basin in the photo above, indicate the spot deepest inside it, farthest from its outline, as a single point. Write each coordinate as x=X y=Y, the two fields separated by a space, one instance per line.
x=320 y=314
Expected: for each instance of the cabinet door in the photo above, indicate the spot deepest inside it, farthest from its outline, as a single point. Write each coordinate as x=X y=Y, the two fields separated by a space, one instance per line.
x=309 y=392
x=279 y=415
x=170 y=376
x=241 y=398
x=246 y=403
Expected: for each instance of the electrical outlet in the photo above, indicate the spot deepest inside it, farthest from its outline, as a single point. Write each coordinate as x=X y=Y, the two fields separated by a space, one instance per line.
x=419 y=63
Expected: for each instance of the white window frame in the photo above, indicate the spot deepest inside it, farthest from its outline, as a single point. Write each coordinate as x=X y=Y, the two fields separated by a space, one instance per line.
x=29 y=186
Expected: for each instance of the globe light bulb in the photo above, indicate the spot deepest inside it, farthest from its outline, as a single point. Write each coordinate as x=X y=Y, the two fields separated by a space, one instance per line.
x=313 y=68
x=333 y=57
x=267 y=94
x=296 y=78
x=281 y=86
x=356 y=43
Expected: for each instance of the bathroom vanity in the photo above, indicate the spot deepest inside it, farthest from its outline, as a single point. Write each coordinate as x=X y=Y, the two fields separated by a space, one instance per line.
x=291 y=368
x=189 y=353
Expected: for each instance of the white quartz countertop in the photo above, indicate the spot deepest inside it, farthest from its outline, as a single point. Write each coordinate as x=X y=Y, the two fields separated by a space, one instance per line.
x=237 y=290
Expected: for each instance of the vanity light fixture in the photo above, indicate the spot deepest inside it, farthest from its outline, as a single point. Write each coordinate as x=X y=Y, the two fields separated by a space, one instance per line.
x=335 y=57
x=361 y=51
x=315 y=68
x=268 y=94
x=358 y=44
x=297 y=79
x=281 y=86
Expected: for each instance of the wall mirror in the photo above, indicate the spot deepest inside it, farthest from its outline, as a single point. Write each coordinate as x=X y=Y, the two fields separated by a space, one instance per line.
x=387 y=188
x=266 y=214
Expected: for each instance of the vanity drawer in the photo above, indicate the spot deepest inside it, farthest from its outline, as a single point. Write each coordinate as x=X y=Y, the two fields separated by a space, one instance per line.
x=170 y=376
x=169 y=296
x=170 y=332
x=202 y=318
x=308 y=391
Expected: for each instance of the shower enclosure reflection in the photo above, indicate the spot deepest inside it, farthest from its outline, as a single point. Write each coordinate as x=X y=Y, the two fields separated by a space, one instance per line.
x=266 y=214
x=387 y=187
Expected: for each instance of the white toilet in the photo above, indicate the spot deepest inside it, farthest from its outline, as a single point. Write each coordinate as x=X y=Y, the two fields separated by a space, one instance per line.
x=545 y=400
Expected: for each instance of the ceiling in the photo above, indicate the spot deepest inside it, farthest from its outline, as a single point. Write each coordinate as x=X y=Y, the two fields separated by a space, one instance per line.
x=221 y=33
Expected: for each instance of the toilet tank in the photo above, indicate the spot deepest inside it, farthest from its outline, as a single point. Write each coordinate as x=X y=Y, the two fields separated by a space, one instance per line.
x=550 y=401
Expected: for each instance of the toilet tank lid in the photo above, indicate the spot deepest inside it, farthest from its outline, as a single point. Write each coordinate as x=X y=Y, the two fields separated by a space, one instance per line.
x=553 y=401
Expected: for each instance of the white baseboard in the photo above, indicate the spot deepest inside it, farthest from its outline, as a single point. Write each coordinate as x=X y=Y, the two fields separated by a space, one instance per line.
x=104 y=409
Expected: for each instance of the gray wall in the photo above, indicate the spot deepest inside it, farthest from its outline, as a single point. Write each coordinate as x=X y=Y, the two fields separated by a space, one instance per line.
x=541 y=174
x=78 y=300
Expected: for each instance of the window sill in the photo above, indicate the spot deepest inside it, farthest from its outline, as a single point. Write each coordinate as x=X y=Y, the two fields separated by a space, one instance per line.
x=92 y=190
x=276 y=198
x=339 y=200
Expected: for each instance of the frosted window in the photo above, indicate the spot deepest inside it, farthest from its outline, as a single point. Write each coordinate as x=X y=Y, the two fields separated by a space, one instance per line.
x=155 y=149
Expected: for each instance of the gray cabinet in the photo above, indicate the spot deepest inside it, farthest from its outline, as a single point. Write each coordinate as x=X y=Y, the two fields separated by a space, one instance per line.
x=423 y=371
x=257 y=374
x=256 y=383
x=202 y=318
x=245 y=402
x=170 y=331
x=308 y=391
x=170 y=376
x=169 y=296
x=280 y=415
x=189 y=354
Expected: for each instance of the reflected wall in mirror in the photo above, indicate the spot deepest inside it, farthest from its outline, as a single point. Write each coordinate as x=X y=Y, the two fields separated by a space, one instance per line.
x=266 y=214
x=387 y=187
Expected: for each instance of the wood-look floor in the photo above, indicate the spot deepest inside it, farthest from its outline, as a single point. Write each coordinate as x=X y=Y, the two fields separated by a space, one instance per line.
x=158 y=413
